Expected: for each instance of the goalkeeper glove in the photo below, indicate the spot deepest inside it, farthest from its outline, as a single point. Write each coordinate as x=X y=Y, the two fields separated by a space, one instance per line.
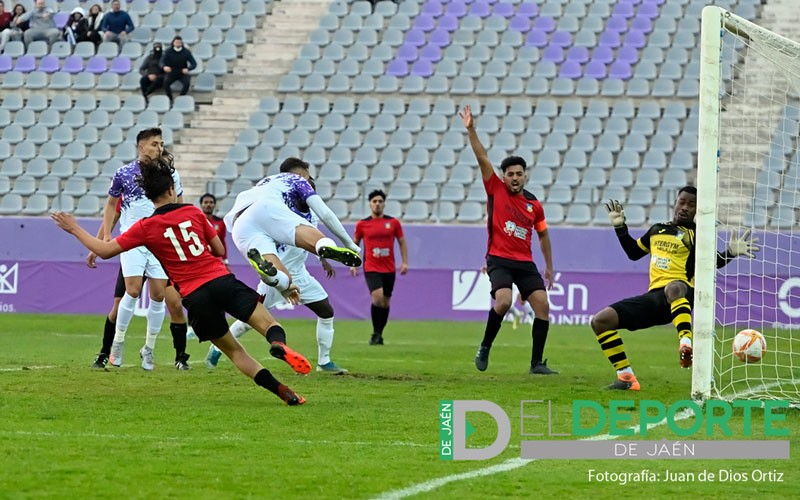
x=742 y=245
x=616 y=214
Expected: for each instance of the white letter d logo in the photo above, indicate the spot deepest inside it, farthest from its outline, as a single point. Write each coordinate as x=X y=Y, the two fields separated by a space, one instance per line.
x=460 y=450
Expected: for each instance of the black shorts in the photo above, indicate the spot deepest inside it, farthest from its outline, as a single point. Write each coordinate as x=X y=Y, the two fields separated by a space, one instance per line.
x=646 y=310
x=504 y=273
x=380 y=280
x=119 y=288
x=208 y=304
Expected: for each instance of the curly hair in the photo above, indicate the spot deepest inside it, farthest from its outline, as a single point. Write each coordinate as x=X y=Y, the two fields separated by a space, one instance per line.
x=155 y=177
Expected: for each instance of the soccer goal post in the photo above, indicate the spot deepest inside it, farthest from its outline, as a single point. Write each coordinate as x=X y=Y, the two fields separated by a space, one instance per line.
x=748 y=178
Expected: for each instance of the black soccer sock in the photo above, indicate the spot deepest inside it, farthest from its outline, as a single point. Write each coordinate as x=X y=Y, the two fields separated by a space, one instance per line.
x=493 y=323
x=265 y=379
x=682 y=317
x=108 y=336
x=375 y=313
x=178 y=331
x=276 y=333
x=613 y=348
x=539 y=338
x=383 y=318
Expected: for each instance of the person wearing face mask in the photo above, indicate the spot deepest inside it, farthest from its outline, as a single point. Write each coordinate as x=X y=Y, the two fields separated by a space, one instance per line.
x=177 y=62
x=152 y=72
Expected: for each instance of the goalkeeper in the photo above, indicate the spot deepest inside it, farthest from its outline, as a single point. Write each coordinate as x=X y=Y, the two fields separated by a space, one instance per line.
x=670 y=297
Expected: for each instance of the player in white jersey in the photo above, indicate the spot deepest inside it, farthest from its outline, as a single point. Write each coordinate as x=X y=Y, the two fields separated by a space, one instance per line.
x=139 y=262
x=266 y=216
x=312 y=295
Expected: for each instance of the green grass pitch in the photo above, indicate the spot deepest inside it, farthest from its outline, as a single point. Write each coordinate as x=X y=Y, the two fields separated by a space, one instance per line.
x=70 y=432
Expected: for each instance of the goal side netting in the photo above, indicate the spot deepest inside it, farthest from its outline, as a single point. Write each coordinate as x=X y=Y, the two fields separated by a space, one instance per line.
x=748 y=179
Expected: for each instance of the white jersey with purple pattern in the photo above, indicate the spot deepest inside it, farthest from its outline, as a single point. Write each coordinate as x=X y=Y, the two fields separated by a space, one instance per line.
x=287 y=188
x=135 y=205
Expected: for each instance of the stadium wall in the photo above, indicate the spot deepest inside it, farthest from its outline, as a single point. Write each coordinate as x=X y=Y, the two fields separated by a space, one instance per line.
x=42 y=270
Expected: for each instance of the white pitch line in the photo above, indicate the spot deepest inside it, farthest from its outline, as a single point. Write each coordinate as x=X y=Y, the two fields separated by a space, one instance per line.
x=513 y=463
x=23 y=368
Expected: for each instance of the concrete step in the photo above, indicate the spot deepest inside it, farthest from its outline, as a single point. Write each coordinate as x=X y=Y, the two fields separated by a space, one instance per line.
x=210 y=138
x=243 y=105
x=260 y=70
x=256 y=87
x=209 y=150
x=287 y=37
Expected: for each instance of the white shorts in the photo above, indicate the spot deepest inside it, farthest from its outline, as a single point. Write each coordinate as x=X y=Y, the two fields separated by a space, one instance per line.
x=140 y=262
x=263 y=226
x=310 y=291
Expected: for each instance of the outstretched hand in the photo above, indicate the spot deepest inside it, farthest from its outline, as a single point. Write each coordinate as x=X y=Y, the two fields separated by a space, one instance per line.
x=616 y=214
x=292 y=294
x=65 y=221
x=466 y=117
x=743 y=245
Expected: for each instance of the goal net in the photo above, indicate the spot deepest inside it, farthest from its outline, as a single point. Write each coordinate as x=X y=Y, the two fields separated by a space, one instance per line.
x=748 y=179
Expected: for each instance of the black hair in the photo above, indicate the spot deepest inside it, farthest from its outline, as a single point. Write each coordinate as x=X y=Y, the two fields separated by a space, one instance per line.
x=147 y=134
x=208 y=195
x=155 y=178
x=513 y=160
x=377 y=192
x=688 y=189
x=291 y=163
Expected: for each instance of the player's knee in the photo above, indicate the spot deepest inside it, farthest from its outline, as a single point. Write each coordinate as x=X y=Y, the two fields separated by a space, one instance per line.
x=676 y=290
x=134 y=292
x=603 y=321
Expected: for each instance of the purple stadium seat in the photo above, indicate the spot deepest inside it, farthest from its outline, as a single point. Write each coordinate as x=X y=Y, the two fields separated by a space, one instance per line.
x=553 y=53
x=430 y=53
x=61 y=19
x=439 y=38
x=623 y=9
x=561 y=39
x=448 y=22
x=620 y=70
x=397 y=67
x=536 y=38
x=603 y=54
x=609 y=39
x=617 y=24
x=414 y=37
x=529 y=9
x=643 y=24
x=121 y=65
x=423 y=68
x=480 y=8
x=578 y=54
x=49 y=64
x=503 y=9
x=6 y=63
x=520 y=23
x=635 y=39
x=648 y=10
x=544 y=23
x=407 y=53
x=654 y=2
x=628 y=54
x=25 y=64
x=72 y=64
x=458 y=9
x=424 y=22
x=97 y=65
x=433 y=7
x=596 y=69
x=570 y=69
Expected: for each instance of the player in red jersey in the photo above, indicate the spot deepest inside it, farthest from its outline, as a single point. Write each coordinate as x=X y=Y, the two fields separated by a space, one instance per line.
x=513 y=214
x=180 y=237
x=379 y=232
x=208 y=202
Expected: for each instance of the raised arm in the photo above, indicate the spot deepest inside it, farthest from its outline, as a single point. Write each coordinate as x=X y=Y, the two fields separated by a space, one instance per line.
x=738 y=245
x=487 y=171
x=616 y=214
x=104 y=249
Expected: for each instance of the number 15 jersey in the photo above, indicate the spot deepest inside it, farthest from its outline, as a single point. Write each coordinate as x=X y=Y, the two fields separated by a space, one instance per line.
x=178 y=235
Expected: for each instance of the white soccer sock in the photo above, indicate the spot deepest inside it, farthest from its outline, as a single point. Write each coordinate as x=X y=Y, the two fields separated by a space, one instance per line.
x=625 y=370
x=238 y=328
x=124 y=316
x=155 y=319
x=324 y=242
x=324 y=339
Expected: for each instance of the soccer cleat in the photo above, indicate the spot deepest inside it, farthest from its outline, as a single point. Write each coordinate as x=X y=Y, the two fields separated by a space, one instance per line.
x=263 y=267
x=297 y=361
x=290 y=397
x=344 y=255
x=147 y=358
x=331 y=367
x=482 y=358
x=625 y=382
x=115 y=358
x=686 y=356
x=101 y=361
x=541 y=368
x=182 y=362
x=376 y=339
x=212 y=359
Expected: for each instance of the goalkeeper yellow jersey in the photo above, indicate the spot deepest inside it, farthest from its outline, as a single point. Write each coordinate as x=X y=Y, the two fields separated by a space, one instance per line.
x=671 y=249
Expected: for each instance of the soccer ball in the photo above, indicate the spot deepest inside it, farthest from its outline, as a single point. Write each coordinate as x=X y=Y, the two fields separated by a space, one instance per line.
x=749 y=346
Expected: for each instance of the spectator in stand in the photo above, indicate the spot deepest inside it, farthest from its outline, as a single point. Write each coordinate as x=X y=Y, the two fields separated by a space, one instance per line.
x=5 y=18
x=152 y=72
x=76 y=28
x=177 y=63
x=42 y=24
x=16 y=28
x=116 y=24
x=93 y=23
